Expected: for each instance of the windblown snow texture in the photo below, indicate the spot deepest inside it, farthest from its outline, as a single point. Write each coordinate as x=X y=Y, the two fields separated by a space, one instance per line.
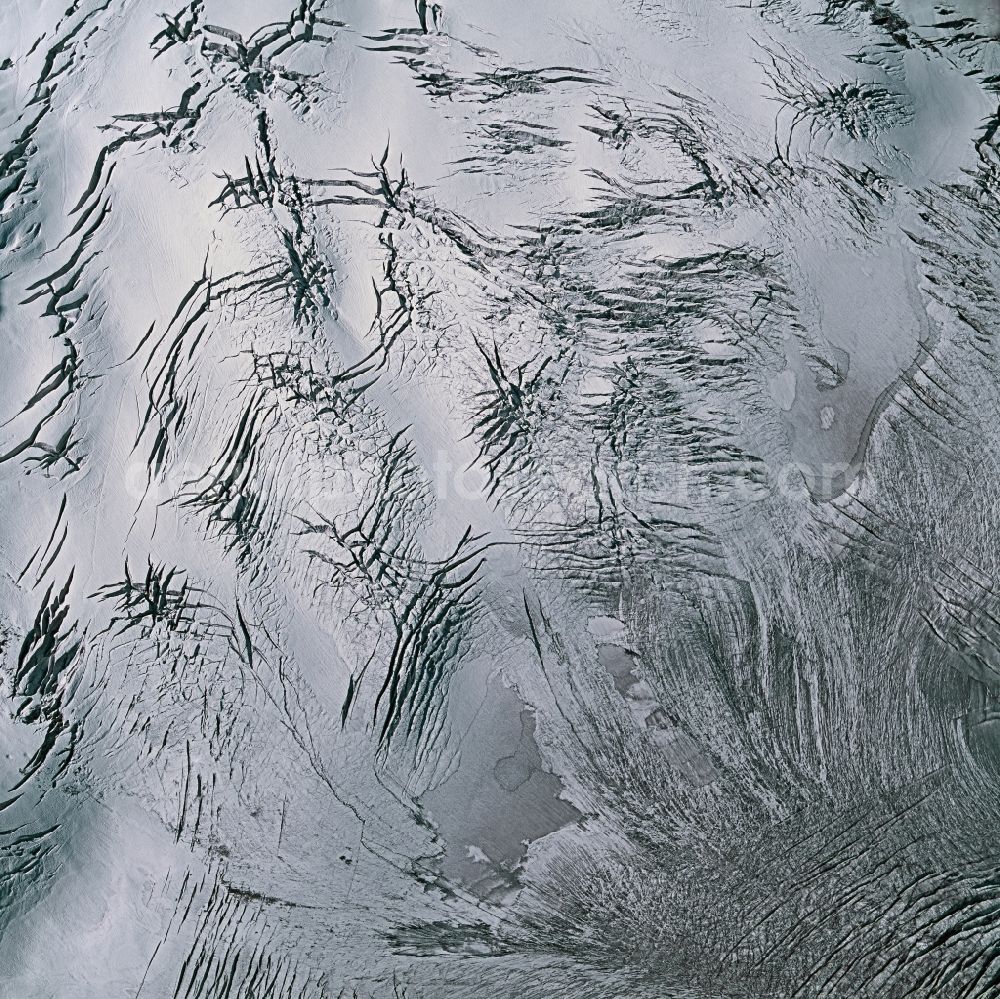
x=500 y=499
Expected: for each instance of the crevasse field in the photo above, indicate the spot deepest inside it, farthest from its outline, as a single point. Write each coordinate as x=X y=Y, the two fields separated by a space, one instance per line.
x=499 y=499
